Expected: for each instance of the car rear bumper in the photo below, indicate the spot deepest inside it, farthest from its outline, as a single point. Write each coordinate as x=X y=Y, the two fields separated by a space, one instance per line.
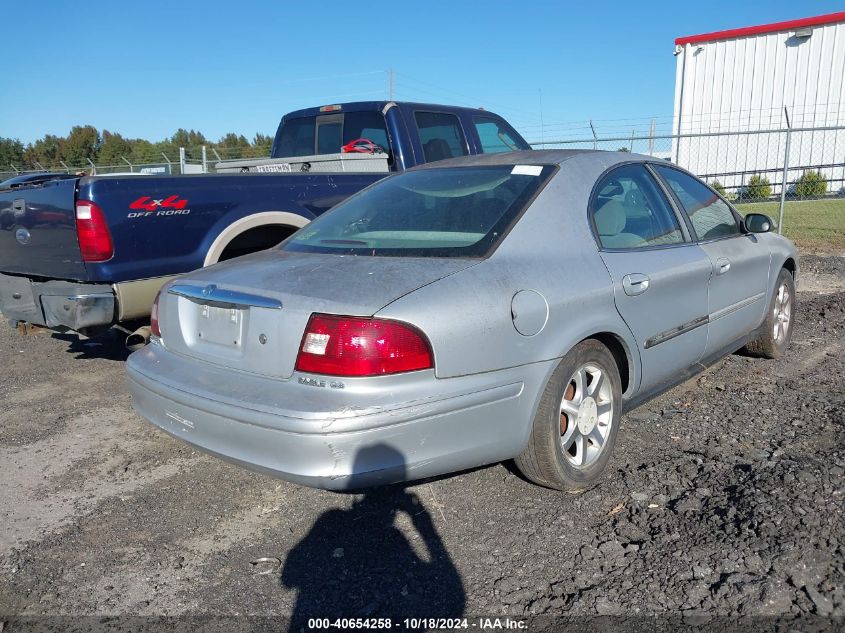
x=372 y=432
x=56 y=304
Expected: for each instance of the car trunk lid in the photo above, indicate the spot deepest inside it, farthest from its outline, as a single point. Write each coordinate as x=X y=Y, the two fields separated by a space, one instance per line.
x=250 y=314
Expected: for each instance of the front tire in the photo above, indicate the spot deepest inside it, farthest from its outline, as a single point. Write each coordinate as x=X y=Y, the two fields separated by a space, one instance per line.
x=574 y=430
x=777 y=328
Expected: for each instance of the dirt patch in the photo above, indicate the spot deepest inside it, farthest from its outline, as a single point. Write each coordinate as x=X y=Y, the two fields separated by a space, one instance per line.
x=724 y=497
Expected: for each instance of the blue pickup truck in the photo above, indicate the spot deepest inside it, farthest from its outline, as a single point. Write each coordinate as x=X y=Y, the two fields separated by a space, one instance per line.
x=86 y=253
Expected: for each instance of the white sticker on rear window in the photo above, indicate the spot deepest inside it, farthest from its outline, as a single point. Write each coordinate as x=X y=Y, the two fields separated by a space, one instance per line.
x=526 y=170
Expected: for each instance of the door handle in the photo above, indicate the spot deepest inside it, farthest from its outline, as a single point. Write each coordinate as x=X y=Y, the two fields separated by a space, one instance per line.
x=635 y=284
x=723 y=265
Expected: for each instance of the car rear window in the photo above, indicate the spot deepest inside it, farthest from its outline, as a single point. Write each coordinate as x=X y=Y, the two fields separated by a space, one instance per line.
x=327 y=133
x=449 y=212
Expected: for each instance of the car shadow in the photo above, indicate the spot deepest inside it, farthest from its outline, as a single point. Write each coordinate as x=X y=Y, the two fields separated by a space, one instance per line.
x=110 y=345
x=381 y=558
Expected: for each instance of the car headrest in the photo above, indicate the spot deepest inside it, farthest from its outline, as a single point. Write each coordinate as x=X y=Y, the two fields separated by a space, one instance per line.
x=437 y=149
x=610 y=218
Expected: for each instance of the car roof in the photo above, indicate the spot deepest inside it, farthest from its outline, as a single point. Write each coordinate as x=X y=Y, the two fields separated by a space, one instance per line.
x=537 y=156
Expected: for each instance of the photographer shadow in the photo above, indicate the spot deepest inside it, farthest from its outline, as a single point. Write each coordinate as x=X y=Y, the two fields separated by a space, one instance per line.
x=358 y=563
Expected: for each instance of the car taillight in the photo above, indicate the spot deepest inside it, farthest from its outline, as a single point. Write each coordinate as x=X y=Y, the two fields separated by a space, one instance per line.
x=94 y=238
x=354 y=346
x=155 y=330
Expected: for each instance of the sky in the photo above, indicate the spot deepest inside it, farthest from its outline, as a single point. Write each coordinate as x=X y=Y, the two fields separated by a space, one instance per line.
x=145 y=69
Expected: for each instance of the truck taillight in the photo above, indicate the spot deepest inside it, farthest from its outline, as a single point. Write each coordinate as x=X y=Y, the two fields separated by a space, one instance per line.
x=155 y=329
x=95 y=241
x=355 y=346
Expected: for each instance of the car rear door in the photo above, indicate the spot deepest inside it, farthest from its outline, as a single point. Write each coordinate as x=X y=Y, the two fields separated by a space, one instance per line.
x=737 y=289
x=659 y=276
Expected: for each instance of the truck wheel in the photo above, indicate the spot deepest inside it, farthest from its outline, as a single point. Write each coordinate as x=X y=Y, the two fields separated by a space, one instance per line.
x=575 y=427
x=777 y=328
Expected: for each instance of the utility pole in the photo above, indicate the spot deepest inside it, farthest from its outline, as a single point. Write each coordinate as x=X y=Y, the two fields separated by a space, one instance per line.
x=542 y=127
x=651 y=132
x=785 y=178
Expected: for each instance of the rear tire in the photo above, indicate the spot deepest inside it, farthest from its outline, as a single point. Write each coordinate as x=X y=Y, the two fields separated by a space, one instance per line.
x=574 y=430
x=777 y=328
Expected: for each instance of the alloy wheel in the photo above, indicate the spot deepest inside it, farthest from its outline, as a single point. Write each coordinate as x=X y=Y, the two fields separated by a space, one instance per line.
x=586 y=415
x=782 y=313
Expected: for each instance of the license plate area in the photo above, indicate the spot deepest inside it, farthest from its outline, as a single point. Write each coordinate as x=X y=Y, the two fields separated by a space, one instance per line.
x=220 y=326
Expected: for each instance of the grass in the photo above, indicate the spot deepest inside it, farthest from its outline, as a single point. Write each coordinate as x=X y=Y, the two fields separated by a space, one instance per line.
x=814 y=225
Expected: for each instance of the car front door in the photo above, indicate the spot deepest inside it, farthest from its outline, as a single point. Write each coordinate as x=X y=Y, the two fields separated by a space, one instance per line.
x=659 y=276
x=738 y=286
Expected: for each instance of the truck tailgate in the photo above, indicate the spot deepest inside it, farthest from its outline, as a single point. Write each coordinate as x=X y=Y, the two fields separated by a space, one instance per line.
x=38 y=232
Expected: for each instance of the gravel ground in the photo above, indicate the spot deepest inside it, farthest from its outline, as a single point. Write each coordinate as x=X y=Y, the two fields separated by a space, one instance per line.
x=724 y=497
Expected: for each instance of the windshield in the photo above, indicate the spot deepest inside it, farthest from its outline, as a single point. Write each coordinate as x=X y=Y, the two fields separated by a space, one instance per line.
x=449 y=212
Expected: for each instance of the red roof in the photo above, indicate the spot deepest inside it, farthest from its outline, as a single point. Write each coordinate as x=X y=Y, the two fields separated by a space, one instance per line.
x=775 y=27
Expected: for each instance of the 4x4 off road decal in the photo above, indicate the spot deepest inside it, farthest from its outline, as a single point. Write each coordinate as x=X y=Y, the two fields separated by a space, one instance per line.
x=146 y=206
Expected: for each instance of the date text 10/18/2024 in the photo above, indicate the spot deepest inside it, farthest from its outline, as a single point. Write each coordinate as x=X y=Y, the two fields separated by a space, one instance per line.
x=481 y=624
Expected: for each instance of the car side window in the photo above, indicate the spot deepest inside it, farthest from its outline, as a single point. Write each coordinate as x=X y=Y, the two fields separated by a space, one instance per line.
x=629 y=210
x=496 y=136
x=441 y=135
x=711 y=217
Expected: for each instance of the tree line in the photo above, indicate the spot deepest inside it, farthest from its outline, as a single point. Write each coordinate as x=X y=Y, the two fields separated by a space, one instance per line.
x=85 y=142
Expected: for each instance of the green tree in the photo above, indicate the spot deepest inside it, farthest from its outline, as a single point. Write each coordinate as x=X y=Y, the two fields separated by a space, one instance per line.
x=47 y=151
x=113 y=149
x=82 y=143
x=718 y=188
x=758 y=188
x=811 y=184
x=187 y=138
x=232 y=140
x=11 y=153
x=143 y=152
x=262 y=140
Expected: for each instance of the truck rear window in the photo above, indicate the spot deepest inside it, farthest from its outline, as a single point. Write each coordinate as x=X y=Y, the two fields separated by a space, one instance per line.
x=450 y=212
x=326 y=134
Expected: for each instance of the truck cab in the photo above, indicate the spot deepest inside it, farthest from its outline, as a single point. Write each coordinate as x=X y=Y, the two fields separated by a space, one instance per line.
x=411 y=133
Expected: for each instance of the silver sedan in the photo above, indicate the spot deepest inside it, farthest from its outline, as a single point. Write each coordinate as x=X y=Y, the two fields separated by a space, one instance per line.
x=463 y=313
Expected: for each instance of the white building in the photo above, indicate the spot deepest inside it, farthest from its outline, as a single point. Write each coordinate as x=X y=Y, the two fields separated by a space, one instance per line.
x=741 y=80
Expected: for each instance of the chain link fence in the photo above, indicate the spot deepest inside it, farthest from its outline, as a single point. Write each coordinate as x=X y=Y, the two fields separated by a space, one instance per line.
x=182 y=160
x=765 y=169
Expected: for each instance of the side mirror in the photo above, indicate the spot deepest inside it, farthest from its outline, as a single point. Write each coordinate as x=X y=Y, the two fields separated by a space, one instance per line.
x=758 y=223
